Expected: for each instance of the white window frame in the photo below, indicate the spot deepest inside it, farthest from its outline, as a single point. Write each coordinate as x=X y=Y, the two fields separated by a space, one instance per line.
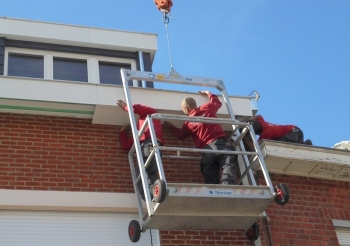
x=92 y=62
x=24 y=52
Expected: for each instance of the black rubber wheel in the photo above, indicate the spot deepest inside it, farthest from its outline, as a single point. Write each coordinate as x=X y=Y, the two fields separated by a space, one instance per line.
x=253 y=233
x=134 y=231
x=159 y=191
x=282 y=194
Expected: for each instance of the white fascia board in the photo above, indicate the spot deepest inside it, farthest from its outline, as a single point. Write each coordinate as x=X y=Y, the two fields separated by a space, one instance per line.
x=118 y=39
x=103 y=98
x=67 y=201
x=166 y=100
x=305 y=160
x=53 y=33
x=47 y=108
x=302 y=152
x=47 y=90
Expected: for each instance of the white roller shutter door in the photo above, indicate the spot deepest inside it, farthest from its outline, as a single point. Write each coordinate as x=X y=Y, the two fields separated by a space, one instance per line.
x=343 y=235
x=61 y=228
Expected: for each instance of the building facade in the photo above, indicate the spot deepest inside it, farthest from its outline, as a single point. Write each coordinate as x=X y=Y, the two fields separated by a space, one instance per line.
x=64 y=178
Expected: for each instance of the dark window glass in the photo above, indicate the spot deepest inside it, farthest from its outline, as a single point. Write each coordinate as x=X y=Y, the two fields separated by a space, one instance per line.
x=110 y=73
x=26 y=66
x=70 y=69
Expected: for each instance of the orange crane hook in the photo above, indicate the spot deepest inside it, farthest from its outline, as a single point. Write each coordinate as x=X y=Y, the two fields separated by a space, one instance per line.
x=164 y=5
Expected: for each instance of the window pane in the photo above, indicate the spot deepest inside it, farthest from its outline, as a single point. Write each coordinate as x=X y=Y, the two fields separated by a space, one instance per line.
x=70 y=69
x=26 y=66
x=110 y=73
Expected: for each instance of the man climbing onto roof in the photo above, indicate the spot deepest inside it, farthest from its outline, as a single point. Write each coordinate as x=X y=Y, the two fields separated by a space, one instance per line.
x=145 y=140
x=266 y=130
x=208 y=136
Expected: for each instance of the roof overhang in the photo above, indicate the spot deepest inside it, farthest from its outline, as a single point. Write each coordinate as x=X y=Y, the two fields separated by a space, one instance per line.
x=306 y=160
x=52 y=33
x=98 y=102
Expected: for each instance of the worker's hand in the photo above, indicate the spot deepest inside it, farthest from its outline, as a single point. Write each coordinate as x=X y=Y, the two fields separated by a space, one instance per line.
x=167 y=124
x=121 y=104
x=204 y=92
x=125 y=128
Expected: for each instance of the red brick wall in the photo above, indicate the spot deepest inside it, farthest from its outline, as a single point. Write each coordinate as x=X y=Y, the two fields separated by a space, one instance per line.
x=307 y=218
x=57 y=153
x=53 y=153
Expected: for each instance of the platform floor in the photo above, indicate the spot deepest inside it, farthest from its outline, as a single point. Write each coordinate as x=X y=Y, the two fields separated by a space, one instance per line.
x=200 y=206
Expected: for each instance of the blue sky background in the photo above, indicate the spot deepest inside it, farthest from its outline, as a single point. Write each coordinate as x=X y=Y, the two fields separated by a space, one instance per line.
x=296 y=54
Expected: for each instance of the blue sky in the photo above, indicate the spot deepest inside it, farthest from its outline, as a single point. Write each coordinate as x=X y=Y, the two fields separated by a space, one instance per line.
x=296 y=54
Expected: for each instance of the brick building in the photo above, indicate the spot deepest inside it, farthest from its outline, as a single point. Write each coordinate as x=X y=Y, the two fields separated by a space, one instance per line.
x=64 y=178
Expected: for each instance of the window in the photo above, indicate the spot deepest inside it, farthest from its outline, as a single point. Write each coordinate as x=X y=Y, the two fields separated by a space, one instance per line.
x=70 y=69
x=110 y=72
x=53 y=65
x=23 y=65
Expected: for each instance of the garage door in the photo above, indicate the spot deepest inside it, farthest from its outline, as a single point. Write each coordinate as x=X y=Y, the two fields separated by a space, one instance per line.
x=343 y=235
x=39 y=228
x=342 y=228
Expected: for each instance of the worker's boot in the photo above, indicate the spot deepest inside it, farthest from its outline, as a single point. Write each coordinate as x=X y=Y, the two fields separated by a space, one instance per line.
x=307 y=142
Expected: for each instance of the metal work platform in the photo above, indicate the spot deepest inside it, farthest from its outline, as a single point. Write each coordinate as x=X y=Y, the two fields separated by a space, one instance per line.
x=198 y=206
